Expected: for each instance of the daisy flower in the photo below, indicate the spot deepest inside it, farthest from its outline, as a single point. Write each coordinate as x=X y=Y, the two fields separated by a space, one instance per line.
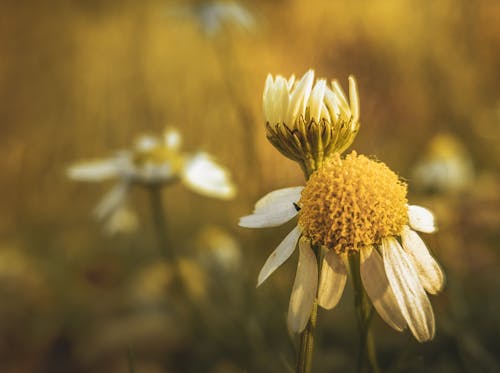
x=308 y=120
x=354 y=207
x=152 y=162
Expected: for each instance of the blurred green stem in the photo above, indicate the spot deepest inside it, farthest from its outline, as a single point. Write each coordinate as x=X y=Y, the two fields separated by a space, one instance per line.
x=160 y=222
x=304 y=360
x=367 y=358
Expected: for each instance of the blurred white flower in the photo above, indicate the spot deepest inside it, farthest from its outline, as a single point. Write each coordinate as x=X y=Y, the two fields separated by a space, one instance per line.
x=219 y=250
x=212 y=16
x=445 y=167
x=152 y=162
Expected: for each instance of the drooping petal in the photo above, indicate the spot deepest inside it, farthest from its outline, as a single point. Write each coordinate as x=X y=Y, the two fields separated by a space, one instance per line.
x=332 y=281
x=112 y=200
x=377 y=287
x=430 y=273
x=279 y=255
x=93 y=171
x=304 y=288
x=273 y=209
x=354 y=98
x=421 y=219
x=408 y=290
x=208 y=178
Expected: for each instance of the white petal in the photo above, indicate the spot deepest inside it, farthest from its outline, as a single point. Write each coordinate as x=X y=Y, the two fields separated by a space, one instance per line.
x=145 y=143
x=342 y=100
x=208 y=178
x=408 y=290
x=290 y=82
x=378 y=289
x=354 y=98
x=304 y=288
x=172 y=139
x=267 y=99
x=332 y=103
x=112 y=200
x=93 y=171
x=430 y=273
x=280 y=99
x=274 y=209
x=279 y=255
x=316 y=99
x=421 y=219
x=299 y=97
x=332 y=281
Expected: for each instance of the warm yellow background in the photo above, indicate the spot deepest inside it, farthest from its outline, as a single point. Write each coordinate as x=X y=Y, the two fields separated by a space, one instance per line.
x=80 y=79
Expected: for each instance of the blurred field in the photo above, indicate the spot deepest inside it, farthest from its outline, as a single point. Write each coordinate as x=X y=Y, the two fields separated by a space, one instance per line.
x=81 y=79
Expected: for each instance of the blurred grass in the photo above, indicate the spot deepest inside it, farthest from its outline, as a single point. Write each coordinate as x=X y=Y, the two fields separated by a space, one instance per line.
x=80 y=79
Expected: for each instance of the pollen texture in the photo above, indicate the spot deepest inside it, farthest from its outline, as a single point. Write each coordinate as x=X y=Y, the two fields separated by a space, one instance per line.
x=353 y=202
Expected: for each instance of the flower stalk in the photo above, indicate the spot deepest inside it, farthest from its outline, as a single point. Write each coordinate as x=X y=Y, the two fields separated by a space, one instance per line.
x=367 y=358
x=304 y=358
x=160 y=222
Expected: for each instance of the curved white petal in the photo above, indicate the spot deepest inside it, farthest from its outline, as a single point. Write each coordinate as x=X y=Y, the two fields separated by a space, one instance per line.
x=267 y=98
x=274 y=209
x=421 y=219
x=430 y=273
x=281 y=99
x=98 y=170
x=112 y=200
x=354 y=98
x=377 y=287
x=304 y=288
x=332 y=104
x=316 y=99
x=408 y=290
x=279 y=255
x=206 y=177
x=332 y=281
x=342 y=100
x=299 y=97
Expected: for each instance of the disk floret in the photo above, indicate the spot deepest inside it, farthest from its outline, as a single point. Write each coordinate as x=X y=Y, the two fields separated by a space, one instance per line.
x=353 y=202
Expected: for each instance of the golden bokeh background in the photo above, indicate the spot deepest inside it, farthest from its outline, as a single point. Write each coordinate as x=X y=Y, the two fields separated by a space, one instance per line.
x=80 y=79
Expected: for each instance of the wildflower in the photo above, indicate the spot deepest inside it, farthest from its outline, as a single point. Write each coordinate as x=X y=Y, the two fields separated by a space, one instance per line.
x=213 y=15
x=307 y=121
x=445 y=167
x=354 y=207
x=152 y=162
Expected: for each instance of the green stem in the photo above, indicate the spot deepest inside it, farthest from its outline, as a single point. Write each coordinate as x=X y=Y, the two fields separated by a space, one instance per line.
x=305 y=353
x=367 y=358
x=160 y=222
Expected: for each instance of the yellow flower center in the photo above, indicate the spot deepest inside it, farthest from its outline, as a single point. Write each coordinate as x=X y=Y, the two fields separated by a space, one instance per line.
x=157 y=156
x=353 y=202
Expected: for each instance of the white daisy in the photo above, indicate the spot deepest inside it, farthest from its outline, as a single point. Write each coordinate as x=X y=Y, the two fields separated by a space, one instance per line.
x=354 y=206
x=152 y=162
